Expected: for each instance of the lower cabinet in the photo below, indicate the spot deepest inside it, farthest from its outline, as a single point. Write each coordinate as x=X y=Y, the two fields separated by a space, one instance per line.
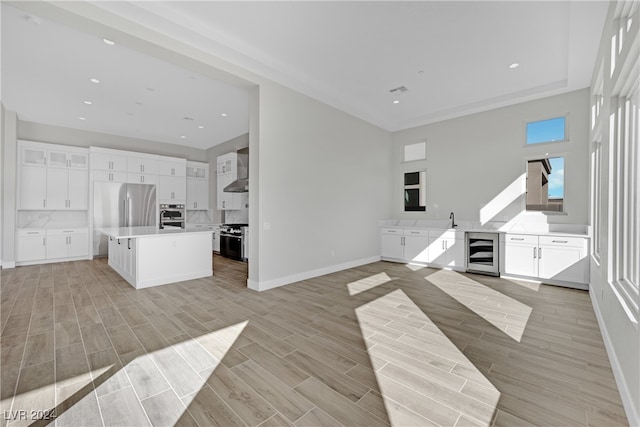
x=446 y=248
x=559 y=258
x=122 y=256
x=51 y=244
x=404 y=244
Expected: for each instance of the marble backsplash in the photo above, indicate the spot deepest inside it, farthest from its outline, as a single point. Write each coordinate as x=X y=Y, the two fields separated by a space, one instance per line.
x=52 y=219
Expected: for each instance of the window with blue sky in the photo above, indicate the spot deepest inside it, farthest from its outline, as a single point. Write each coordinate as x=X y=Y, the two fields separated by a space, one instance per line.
x=556 y=178
x=550 y=130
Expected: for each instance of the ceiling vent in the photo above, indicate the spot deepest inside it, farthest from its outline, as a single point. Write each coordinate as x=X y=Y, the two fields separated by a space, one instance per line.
x=399 y=89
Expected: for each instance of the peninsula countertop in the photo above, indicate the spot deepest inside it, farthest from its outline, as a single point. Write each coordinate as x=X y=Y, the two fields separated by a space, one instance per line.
x=133 y=232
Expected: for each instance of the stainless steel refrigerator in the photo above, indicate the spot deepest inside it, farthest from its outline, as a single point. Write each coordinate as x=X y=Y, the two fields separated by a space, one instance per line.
x=121 y=205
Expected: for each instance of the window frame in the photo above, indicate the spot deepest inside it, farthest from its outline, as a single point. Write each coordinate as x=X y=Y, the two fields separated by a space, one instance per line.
x=566 y=139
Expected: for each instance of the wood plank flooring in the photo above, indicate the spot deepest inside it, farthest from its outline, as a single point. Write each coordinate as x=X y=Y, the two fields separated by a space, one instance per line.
x=382 y=344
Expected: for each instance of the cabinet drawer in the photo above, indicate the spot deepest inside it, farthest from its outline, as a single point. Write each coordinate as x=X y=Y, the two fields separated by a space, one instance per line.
x=521 y=238
x=66 y=231
x=387 y=230
x=415 y=232
x=446 y=234
x=576 y=242
x=27 y=232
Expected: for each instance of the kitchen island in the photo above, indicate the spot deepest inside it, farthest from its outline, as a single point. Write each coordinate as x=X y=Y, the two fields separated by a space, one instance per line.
x=147 y=256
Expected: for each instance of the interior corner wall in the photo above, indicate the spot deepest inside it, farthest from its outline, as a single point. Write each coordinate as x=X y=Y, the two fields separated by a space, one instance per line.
x=621 y=335
x=473 y=160
x=9 y=160
x=324 y=186
x=212 y=154
x=39 y=132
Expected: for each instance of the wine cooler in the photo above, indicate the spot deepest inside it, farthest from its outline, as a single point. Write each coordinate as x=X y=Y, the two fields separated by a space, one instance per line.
x=482 y=253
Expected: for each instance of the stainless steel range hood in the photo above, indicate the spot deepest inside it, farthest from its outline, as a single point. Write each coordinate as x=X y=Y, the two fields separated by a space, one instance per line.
x=240 y=185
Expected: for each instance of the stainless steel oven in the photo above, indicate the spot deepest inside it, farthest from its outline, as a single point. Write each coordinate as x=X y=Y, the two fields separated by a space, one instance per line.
x=172 y=216
x=232 y=241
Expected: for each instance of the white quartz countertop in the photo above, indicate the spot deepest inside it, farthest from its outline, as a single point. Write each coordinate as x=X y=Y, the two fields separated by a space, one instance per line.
x=474 y=229
x=133 y=232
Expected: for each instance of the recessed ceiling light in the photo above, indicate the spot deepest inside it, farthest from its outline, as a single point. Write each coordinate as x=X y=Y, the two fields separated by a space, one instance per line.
x=183 y=137
x=514 y=65
x=32 y=20
x=138 y=103
x=109 y=42
x=82 y=118
x=150 y=89
x=129 y=114
x=94 y=80
x=395 y=101
x=224 y=114
x=200 y=127
x=88 y=102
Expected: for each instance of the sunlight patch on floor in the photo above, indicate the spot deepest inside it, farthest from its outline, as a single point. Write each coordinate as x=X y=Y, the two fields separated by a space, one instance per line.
x=423 y=377
x=503 y=312
x=367 y=283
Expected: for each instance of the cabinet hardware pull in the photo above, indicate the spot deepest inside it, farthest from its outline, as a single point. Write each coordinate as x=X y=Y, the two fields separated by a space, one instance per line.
x=539 y=253
x=534 y=253
x=32 y=232
x=560 y=241
x=44 y=203
x=517 y=238
x=128 y=243
x=44 y=241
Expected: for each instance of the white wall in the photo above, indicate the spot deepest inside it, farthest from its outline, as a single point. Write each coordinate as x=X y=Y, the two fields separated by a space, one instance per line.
x=324 y=185
x=9 y=159
x=472 y=159
x=621 y=335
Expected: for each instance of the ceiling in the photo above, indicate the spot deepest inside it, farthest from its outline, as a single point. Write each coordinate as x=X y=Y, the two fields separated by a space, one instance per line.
x=453 y=57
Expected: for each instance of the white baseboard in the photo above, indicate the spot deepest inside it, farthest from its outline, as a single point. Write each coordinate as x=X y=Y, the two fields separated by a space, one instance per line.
x=281 y=281
x=627 y=402
x=8 y=264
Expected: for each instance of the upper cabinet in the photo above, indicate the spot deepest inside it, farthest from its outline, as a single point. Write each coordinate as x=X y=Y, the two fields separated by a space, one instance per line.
x=227 y=164
x=197 y=186
x=108 y=165
x=172 y=183
x=146 y=164
x=53 y=177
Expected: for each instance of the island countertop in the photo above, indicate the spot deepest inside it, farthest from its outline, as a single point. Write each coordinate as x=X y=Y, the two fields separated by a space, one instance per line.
x=133 y=232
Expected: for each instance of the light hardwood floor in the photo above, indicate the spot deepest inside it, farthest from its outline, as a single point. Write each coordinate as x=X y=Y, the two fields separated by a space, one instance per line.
x=382 y=344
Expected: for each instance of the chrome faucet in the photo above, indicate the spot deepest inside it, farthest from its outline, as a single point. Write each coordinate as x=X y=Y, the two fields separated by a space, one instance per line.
x=452 y=217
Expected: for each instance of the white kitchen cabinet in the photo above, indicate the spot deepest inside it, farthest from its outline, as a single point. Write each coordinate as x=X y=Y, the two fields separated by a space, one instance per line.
x=172 y=189
x=67 y=243
x=103 y=175
x=197 y=186
x=144 y=164
x=446 y=248
x=53 y=177
x=172 y=166
x=521 y=255
x=108 y=160
x=227 y=164
x=32 y=187
x=404 y=244
x=140 y=178
x=228 y=201
x=67 y=189
x=31 y=245
x=555 y=258
x=197 y=170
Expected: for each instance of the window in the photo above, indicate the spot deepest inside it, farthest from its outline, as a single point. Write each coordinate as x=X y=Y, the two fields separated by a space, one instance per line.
x=416 y=151
x=624 y=202
x=550 y=130
x=596 y=199
x=545 y=184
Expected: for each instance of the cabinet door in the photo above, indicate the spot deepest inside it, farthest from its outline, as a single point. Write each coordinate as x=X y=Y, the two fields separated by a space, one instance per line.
x=78 y=161
x=437 y=251
x=57 y=159
x=57 y=247
x=78 y=189
x=416 y=248
x=224 y=199
x=171 y=189
x=391 y=246
x=79 y=245
x=201 y=194
x=33 y=187
x=521 y=260
x=57 y=188
x=34 y=156
x=31 y=248
x=109 y=176
x=455 y=252
x=562 y=263
x=137 y=178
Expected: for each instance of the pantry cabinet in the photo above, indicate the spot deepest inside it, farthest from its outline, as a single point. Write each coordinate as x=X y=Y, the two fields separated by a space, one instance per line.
x=197 y=186
x=53 y=177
